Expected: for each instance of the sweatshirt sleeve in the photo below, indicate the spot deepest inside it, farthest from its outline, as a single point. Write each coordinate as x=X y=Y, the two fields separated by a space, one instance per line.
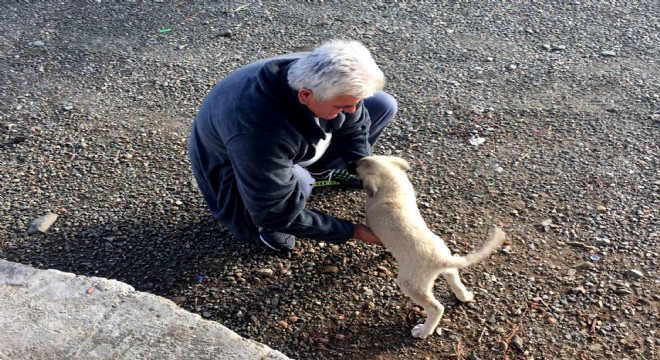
x=263 y=169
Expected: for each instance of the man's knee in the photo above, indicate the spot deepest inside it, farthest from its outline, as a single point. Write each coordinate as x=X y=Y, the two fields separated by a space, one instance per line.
x=381 y=106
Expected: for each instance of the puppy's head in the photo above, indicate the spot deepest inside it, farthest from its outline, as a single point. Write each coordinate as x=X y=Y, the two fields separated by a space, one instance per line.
x=374 y=171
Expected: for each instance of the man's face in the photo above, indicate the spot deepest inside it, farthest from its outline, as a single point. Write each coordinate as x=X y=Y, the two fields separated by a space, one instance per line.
x=328 y=109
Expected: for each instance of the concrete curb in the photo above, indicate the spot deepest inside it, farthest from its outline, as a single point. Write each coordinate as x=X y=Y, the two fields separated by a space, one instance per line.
x=49 y=314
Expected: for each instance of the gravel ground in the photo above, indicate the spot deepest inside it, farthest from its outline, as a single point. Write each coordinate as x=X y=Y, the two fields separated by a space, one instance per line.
x=97 y=101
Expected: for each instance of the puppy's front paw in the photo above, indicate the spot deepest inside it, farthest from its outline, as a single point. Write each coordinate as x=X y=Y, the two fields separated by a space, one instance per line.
x=466 y=296
x=420 y=331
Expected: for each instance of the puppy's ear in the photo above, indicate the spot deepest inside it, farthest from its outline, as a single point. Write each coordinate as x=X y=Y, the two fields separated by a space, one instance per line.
x=370 y=185
x=402 y=163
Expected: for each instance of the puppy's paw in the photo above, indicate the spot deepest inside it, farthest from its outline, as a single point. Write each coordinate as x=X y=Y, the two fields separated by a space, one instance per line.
x=466 y=296
x=420 y=331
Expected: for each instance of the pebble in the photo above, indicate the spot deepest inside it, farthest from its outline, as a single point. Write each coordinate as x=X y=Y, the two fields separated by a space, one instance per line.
x=37 y=43
x=602 y=241
x=571 y=272
x=500 y=330
x=265 y=272
x=607 y=53
x=634 y=274
x=329 y=269
x=517 y=342
x=584 y=266
x=384 y=270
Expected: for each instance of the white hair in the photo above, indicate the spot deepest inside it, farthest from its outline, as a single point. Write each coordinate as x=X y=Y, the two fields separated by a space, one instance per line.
x=338 y=67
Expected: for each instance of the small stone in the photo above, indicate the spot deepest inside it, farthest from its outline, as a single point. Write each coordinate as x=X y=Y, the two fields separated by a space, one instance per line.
x=634 y=274
x=226 y=33
x=206 y=314
x=607 y=53
x=602 y=241
x=385 y=271
x=179 y=300
x=579 y=290
x=517 y=342
x=622 y=291
x=601 y=209
x=265 y=272
x=42 y=224
x=293 y=318
x=283 y=324
x=329 y=269
x=584 y=266
x=571 y=272
x=37 y=43
x=545 y=225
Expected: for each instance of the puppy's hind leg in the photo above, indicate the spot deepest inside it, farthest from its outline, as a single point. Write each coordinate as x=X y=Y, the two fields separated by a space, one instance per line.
x=454 y=280
x=420 y=290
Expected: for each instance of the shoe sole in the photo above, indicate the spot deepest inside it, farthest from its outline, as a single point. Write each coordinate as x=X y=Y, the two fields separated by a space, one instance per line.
x=272 y=247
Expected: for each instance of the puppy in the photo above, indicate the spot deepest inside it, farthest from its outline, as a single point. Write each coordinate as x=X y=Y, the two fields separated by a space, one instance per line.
x=392 y=214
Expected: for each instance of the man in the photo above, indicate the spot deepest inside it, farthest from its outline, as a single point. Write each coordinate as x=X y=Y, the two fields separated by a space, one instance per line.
x=270 y=131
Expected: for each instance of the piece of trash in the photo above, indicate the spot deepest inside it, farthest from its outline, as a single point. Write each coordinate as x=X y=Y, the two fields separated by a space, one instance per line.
x=41 y=224
x=200 y=278
x=164 y=31
x=594 y=257
x=90 y=290
x=476 y=140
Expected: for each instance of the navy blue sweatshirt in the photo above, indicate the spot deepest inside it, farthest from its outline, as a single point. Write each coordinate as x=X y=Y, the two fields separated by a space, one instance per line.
x=249 y=132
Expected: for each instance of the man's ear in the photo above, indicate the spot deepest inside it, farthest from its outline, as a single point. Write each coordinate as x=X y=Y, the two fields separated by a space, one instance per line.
x=402 y=163
x=370 y=185
x=304 y=95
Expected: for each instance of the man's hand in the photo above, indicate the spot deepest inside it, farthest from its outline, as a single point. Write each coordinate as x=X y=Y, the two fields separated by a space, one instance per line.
x=364 y=233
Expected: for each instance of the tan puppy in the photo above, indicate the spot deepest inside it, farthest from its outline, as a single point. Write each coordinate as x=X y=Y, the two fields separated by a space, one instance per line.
x=393 y=216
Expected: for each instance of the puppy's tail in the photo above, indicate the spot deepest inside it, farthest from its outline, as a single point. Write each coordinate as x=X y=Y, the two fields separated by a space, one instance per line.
x=496 y=237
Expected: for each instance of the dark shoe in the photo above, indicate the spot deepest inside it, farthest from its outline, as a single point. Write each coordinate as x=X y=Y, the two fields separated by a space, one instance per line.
x=336 y=177
x=276 y=240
